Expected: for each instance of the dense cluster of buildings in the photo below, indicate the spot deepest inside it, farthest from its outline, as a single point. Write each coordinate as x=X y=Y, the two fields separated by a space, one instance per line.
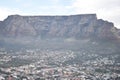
x=53 y=65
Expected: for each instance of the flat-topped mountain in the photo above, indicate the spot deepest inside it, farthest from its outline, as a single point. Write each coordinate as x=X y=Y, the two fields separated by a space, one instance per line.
x=77 y=26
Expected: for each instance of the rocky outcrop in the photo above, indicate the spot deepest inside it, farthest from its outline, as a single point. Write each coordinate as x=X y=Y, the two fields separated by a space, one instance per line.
x=17 y=26
x=77 y=26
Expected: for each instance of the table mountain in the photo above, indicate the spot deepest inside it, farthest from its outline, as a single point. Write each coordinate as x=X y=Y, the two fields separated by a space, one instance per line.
x=76 y=26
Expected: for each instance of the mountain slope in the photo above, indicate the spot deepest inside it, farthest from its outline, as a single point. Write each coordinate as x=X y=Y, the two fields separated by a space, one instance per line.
x=75 y=26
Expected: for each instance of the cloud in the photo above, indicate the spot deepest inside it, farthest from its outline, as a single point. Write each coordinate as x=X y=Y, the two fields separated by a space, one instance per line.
x=105 y=9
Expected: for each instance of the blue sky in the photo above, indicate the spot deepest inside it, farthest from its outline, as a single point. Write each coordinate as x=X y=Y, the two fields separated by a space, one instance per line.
x=37 y=7
x=105 y=9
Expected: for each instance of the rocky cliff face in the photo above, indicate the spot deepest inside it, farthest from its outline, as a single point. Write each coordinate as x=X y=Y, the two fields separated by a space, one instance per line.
x=77 y=26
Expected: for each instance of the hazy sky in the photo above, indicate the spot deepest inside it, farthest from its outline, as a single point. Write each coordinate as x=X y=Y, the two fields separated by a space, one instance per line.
x=105 y=9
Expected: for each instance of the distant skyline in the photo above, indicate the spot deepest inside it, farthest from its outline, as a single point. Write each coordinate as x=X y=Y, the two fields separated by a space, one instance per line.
x=105 y=9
